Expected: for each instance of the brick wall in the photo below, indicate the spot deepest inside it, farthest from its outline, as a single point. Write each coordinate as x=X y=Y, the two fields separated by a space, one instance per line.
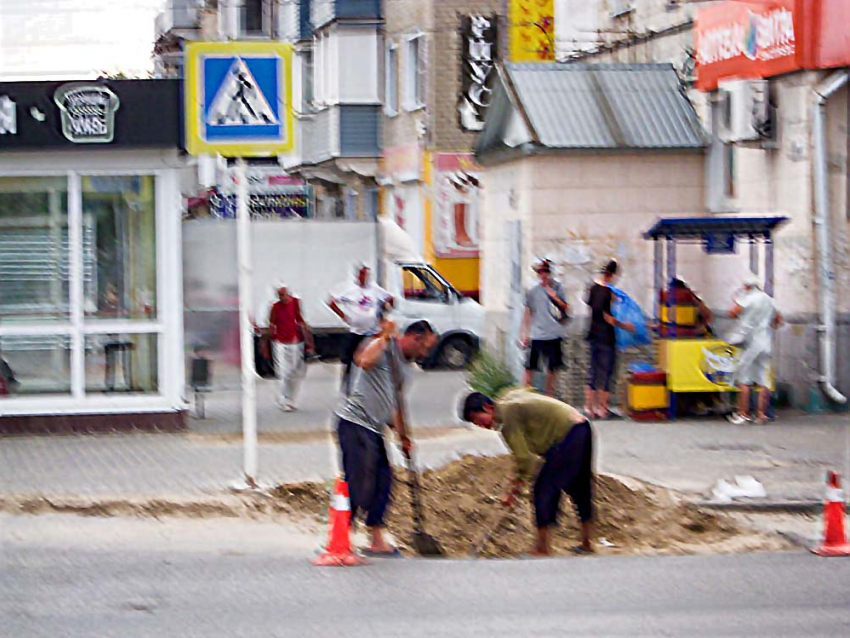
x=440 y=21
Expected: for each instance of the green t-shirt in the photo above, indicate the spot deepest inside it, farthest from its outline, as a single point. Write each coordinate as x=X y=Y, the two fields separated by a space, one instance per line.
x=532 y=423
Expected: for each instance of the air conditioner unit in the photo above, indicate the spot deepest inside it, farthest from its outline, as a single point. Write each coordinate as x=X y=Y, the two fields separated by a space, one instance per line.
x=745 y=110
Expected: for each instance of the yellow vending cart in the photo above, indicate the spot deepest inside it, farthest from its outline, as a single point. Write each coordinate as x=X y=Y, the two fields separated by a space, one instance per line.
x=693 y=361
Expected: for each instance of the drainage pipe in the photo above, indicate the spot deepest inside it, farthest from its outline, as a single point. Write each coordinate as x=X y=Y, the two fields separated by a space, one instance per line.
x=823 y=231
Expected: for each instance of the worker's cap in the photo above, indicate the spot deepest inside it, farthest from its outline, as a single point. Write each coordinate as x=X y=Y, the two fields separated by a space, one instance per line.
x=279 y=285
x=752 y=280
x=360 y=266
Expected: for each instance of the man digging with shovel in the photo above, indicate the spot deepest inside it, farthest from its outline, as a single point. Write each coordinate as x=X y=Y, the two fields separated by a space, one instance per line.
x=372 y=404
x=533 y=425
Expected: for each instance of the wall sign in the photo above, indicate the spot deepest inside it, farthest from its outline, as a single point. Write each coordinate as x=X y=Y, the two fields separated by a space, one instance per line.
x=8 y=116
x=745 y=40
x=87 y=112
x=478 y=55
x=532 y=31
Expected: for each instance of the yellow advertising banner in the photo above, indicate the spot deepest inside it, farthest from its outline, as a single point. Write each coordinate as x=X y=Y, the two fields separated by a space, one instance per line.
x=698 y=365
x=532 y=31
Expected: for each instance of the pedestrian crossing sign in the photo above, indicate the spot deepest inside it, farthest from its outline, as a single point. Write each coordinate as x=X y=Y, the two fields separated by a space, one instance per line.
x=238 y=98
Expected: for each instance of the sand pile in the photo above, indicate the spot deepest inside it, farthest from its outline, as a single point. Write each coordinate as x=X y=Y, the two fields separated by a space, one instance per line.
x=463 y=500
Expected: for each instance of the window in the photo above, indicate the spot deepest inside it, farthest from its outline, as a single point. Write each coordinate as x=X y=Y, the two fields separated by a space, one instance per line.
x=391 y=81
x=422 y=285
x=307 y=94
x=414 y=73
x=251 y=17
x=79 y=309
x=33 y=248
x=121 y=211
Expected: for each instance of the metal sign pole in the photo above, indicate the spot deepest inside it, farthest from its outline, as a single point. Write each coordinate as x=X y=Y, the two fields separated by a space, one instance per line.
x=246 y=334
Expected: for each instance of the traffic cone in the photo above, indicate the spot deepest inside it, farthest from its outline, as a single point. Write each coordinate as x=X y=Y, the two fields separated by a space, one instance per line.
x=834 y=533
x=338 y=552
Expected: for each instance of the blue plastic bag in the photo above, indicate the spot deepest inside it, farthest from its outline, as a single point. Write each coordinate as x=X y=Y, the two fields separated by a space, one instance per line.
x=625 y=309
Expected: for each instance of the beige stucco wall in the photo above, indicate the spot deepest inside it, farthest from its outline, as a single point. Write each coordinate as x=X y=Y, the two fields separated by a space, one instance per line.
x=583 y=209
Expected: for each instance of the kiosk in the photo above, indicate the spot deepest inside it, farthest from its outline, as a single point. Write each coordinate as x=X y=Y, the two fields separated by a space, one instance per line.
x=691 y=362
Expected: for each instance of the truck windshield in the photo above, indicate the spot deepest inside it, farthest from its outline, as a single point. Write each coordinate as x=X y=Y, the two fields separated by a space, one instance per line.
x=421 y=284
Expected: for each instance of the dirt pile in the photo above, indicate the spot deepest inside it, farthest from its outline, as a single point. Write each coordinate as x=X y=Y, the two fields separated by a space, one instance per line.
x=463 y=500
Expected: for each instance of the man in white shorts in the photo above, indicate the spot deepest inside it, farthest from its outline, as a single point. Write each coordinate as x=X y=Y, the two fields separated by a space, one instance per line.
x=757 y=318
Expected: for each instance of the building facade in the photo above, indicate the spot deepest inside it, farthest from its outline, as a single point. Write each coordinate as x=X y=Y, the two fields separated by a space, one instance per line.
x=438 y=60
x=793 y=49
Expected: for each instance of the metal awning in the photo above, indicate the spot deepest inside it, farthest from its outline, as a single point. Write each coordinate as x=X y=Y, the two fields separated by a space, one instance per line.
x=702 y=227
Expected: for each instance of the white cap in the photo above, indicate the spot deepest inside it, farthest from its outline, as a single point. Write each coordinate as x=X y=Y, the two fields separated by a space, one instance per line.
x=752 y=280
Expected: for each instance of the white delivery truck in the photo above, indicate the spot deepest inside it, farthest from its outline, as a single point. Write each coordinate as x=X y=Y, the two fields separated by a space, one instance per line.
x=316 y=259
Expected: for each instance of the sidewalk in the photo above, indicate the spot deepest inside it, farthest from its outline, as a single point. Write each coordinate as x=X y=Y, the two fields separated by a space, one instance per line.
x=788 y=457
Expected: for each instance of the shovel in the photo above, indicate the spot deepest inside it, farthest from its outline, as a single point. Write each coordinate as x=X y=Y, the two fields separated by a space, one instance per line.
x=424 y=543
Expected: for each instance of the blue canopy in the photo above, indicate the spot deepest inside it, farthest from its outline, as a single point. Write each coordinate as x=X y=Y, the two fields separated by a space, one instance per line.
x=703 y=227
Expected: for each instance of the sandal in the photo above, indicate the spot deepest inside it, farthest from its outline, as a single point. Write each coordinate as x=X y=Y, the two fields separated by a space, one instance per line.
x=581 y=550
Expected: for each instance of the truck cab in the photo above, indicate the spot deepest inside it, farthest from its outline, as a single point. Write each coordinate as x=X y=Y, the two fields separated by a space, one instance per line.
x=421 y=292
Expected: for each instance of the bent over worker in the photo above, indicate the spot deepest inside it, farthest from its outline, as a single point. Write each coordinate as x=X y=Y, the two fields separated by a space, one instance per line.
x=533 y=426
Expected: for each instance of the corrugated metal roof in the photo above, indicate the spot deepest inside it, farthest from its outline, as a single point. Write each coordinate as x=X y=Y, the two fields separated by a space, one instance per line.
x=606 y=105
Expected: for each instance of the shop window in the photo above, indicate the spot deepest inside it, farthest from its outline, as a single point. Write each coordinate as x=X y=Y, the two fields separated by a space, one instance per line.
x=422 y=285
x=33 y=248
x=121 y=363
x=35 y=364
x=122 y=210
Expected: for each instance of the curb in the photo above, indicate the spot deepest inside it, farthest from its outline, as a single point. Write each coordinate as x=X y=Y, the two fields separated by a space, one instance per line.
x=793 y=507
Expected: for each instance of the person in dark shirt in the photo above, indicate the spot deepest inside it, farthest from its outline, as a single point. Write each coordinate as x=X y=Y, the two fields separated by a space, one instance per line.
x=603 y=343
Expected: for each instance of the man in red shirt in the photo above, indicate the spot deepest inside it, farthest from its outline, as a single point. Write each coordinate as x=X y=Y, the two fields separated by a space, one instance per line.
x=289 y=333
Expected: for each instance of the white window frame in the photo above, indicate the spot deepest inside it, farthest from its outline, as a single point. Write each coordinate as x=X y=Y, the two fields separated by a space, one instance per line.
x=391 y=66
x=414 y=73
x=167 y=324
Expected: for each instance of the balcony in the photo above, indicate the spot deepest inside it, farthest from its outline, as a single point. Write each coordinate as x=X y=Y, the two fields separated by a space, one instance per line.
x=323 y=12
x=178 y=15
x=295 y=21
x=341 y=131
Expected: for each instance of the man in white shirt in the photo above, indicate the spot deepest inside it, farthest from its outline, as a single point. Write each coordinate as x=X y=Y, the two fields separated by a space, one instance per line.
x=757 y=318
x=358 y=307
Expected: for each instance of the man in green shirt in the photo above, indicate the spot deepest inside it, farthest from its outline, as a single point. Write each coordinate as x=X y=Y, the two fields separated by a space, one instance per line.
x=533 y=426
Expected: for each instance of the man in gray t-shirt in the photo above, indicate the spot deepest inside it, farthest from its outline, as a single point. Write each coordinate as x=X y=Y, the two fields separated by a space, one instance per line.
x=546 y=311
x=370 y=407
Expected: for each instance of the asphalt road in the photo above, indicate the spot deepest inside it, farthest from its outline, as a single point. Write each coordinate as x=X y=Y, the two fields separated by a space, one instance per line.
x=70 y=577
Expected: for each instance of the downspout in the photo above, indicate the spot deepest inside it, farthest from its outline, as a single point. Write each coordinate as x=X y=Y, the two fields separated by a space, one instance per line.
x=822 y=221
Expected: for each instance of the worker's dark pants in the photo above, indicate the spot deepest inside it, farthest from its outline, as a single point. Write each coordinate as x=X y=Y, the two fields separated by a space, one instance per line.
x=367 y=471
x=352 y=342
x=568 y=468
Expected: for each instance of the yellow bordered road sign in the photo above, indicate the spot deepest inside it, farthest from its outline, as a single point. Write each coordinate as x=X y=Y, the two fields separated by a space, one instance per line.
x=238 y=98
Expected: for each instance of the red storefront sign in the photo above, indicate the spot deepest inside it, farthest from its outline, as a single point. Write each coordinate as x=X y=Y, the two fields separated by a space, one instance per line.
x=762 y=38
x=745 y=40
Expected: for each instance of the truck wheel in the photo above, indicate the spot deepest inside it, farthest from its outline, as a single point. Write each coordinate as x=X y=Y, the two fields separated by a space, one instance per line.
x=455 y=353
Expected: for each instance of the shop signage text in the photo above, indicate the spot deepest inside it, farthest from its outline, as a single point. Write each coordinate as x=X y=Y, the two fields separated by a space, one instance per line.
x=480 y=37
x=88 y=113
x=8 y=116
x=745 y=40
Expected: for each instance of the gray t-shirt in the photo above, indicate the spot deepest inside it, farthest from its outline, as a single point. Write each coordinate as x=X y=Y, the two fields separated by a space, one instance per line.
x=372 y=402
x=544 y=313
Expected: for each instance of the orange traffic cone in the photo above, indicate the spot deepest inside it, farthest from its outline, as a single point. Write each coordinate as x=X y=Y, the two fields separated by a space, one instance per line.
x=338 y=552
x=834 y=533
